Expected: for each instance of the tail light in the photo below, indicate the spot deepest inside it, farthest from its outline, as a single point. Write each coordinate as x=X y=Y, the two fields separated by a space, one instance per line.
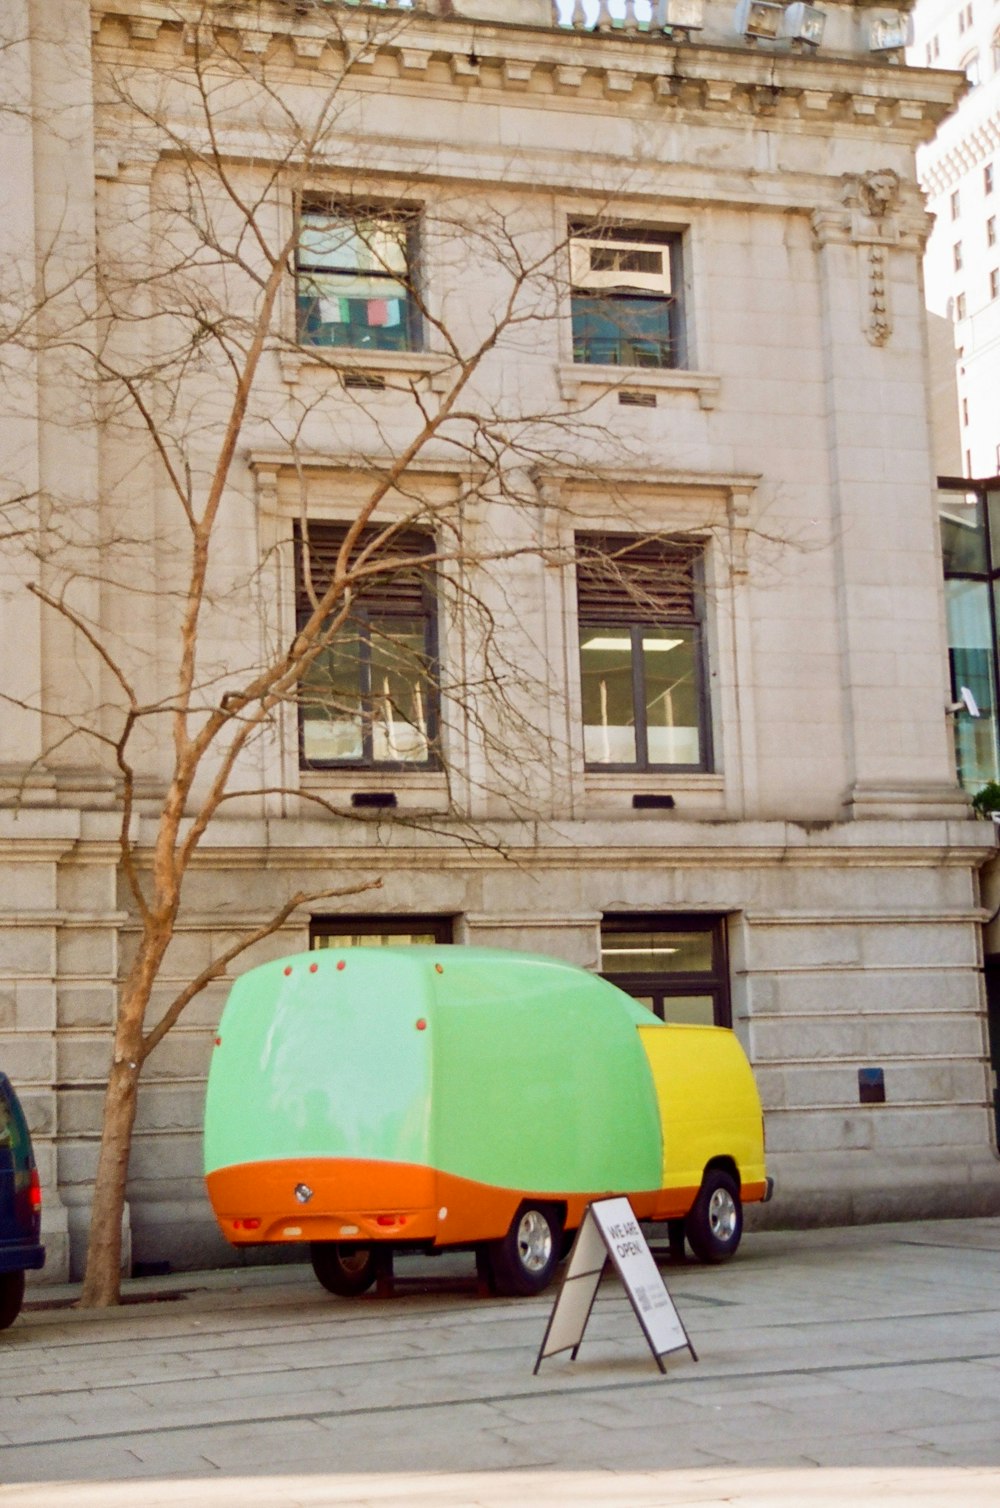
x=35 y=1193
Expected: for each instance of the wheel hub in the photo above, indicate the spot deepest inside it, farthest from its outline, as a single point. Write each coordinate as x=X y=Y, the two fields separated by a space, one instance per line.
x=534 y=1241
x=722 y=1215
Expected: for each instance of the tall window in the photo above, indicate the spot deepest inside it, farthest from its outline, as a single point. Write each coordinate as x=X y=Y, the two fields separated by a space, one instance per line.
x=378 y=931
x=641 y=653
x=956 y=256
x=626 y=296
x=970 y=540
x=676 y=966
x=355 y=271
x=369 y=698
x=955 y=205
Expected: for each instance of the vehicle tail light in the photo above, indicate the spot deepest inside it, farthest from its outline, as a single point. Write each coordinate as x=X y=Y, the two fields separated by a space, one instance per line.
x=390 y=1220
x=35 y=1192
x=250 y=1222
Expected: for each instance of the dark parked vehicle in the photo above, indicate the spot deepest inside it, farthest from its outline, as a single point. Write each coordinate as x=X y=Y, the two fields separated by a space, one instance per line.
x=20 y=1205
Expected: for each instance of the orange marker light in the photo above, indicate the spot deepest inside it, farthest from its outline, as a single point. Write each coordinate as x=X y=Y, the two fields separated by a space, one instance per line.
x=289 y=969
x=439 y=967
x=341 y=964
x=313 y=967
x=218 y=1041
x=421 y=1025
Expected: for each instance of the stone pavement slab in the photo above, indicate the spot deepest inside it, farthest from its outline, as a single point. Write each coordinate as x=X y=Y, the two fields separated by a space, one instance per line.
x=850 y=1367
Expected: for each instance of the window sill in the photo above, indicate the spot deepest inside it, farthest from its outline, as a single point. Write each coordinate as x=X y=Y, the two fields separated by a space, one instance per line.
x=575 y=375
x=609 y=794
x=397 y=368
x=415 y=790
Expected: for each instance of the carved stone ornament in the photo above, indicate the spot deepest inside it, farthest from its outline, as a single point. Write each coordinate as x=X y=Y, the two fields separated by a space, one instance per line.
x=879 y=192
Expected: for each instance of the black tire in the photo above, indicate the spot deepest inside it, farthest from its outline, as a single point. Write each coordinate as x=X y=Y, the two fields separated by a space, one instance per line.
x=11 y=1297
x=342 y=1267
x=714 y=1224
x=525 y=1260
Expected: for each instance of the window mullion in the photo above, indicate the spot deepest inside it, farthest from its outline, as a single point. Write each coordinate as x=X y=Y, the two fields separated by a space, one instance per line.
x=639 y=697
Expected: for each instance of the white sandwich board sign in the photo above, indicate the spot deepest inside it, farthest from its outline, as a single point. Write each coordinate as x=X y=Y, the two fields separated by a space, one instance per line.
x=610 y=1229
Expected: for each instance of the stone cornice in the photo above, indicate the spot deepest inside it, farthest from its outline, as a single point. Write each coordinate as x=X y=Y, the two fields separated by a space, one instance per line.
x=545 y=65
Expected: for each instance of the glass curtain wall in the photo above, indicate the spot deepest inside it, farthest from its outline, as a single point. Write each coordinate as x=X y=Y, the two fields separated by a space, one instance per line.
x=969 y=515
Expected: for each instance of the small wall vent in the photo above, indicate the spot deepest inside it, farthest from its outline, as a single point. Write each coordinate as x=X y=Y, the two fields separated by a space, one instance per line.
x=378 y=800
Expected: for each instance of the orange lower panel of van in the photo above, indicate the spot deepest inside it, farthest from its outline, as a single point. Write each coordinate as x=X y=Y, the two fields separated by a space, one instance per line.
x=355 y=1199
x=360 y=1200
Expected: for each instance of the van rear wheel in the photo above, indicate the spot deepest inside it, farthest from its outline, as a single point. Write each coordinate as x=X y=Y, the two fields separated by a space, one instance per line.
x=342 y=1267
x=715 y=1222
x=524 y=1261
x=11 y=1297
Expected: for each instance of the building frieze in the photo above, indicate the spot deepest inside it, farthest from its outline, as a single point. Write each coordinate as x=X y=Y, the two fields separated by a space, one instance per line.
x=542 y=67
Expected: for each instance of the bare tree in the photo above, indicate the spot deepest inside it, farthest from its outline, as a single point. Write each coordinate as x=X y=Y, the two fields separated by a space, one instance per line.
x=237 y=211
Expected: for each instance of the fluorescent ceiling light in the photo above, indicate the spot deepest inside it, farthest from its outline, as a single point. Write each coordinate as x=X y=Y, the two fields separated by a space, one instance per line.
x=604 y=641
x=629 y=952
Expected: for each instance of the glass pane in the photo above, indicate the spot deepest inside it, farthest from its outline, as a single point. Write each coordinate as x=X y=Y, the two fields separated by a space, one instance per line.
x=331 y=703
x=993 y=515
x=669 y=658
x=400 y=691
x=622 y=330
x=628 y=952
x=963 y=538
x=689 y=1010
x=608 y=708
x=363 y=313
x=359 y=245
x=373 y=939
x=647 y=1001
x=971 y=653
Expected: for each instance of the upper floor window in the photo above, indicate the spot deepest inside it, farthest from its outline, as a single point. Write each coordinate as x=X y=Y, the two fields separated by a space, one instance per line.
x=626 y=296
x=971 y=67
x=369 y=697
x=988 y=178
x=955 y=205
x=960 y=306
x=995 y=282
x=956 y=256
x=355 y=277
x=642 y=671
x=991 y=231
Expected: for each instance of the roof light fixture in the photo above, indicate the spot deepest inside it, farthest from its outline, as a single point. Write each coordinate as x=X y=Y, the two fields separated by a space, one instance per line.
x=804 y=23
x=759 y=20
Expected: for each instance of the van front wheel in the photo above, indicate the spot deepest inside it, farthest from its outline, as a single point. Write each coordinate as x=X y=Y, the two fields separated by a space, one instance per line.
x=715 y=1222
x=524 y=1261
x=343 y=1268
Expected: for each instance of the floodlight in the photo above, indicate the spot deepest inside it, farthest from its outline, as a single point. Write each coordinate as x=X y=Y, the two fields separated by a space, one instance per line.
x=804 y=23
x=679 y=15
x=889 y=31
x=759 y=20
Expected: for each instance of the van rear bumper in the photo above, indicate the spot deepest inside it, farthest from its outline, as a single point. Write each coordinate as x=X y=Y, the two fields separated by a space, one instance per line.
x=768 y=1190
x=21 y=1256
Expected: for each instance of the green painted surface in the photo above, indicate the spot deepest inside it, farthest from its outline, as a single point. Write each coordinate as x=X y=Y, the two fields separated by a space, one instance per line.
x=529 y=1074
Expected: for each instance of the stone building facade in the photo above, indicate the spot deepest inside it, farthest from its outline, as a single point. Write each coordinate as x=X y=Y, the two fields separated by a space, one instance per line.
x=789 y=850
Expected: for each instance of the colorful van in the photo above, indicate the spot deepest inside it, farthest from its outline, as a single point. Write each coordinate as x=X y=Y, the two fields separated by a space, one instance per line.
x=447 y=1096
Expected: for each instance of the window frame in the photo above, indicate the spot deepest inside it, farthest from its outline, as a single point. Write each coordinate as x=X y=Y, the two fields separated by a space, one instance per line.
x=355 y=211
x=368 y=925
x=676 y=983
x=367 y=607
x=635 y=234
x=696 y=623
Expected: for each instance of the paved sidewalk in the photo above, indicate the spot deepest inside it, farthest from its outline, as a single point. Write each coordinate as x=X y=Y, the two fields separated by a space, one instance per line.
x=836 y=1367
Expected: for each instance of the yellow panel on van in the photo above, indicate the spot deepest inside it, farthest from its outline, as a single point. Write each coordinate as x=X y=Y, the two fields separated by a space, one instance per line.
x=709 y=1106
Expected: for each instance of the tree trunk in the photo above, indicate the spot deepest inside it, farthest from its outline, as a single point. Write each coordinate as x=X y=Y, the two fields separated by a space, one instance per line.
x=102 y=1281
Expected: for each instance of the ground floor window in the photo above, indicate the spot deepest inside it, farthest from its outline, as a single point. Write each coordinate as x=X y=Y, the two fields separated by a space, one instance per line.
x=675 y=965
x=378 y=931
